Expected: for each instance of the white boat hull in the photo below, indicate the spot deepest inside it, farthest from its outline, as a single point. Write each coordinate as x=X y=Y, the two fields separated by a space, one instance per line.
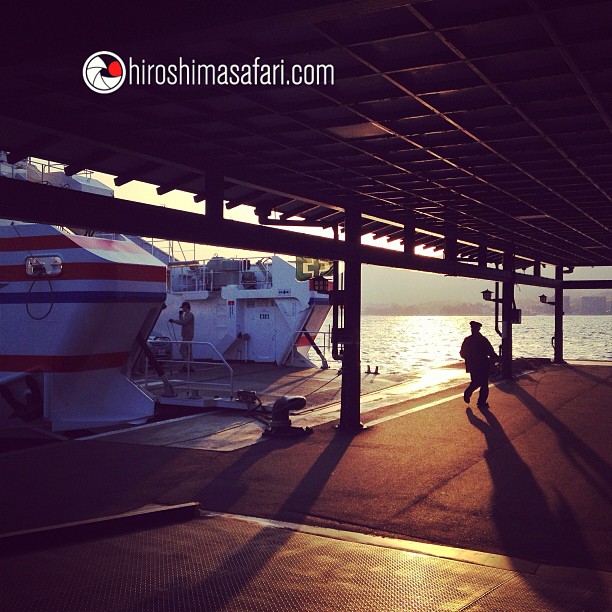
x=260 y=320
x=67 y=338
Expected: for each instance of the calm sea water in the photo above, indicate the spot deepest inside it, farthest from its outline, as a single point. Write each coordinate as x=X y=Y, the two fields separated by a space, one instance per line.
x=415 y=343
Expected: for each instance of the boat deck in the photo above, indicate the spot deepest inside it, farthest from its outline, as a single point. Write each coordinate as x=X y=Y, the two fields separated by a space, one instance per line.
x=431 y=507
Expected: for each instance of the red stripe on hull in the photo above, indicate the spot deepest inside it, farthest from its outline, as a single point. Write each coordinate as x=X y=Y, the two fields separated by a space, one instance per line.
x=37 y=243
x=91 y=271
x=53 y=242
x=106 y=244
x=61 y=363
x=303 y=341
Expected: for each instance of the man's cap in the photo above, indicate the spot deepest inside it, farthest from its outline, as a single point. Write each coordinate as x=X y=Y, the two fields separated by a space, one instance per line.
x=475 y=324
x=185 y=304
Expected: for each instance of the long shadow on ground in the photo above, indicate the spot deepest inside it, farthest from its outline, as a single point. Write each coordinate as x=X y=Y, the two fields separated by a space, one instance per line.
x=525 y=521
x=253 y=555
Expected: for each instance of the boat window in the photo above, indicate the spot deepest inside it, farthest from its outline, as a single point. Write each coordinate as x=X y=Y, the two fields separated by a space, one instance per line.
x=44 y=265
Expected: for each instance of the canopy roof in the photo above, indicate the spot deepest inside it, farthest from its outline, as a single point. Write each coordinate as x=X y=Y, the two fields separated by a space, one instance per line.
x=485 y=118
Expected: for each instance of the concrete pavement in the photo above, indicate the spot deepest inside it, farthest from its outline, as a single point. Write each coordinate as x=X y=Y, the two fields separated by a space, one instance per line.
x=528 y=480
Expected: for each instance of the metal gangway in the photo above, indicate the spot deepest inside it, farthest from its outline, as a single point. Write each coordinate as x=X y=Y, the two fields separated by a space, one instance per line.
x=190 y=378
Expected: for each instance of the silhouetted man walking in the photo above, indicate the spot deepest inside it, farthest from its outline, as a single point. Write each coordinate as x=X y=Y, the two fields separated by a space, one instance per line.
x=477 y=350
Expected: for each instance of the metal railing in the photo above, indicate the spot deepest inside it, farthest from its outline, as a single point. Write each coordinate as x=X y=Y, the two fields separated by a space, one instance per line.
x=321 y=338
x=176 y=250
x=191 y=371
x=198 y=275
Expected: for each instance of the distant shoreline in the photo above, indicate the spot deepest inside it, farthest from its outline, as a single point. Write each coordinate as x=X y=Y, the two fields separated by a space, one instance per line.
x=371 y=313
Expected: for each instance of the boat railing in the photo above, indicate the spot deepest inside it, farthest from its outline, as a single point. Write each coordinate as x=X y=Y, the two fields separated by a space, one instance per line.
x=189 y=276
x=190 y=376
x=174 y=250
x=264 y=265
x=103 y=235
x=321 y=344
x=197 y=276
x=249 y=282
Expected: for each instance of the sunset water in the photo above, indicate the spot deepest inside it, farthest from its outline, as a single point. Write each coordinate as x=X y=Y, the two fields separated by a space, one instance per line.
x=411 y=344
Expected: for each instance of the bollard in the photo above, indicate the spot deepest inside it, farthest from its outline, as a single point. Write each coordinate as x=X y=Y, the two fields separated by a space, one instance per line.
x=280 y=423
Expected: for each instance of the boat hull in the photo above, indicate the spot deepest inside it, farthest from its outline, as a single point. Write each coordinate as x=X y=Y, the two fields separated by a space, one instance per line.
x=248 y=312
x=69 y=334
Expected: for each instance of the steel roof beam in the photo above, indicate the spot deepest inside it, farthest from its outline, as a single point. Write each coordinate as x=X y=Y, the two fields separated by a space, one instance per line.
x=78 y=166
x=520 y=240
x=298 y=211
x=560 y=244
x=41 y=204
x=505 y=98
x=253 y=183
x=136 y=174
x=177 y=183
x=588 y=284
x=32 y=147
x=242 y=200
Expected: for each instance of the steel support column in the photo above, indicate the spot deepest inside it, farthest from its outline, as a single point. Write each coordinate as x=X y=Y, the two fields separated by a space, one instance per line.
x=409 y=236
x=214 y=192
x=482 y=255
x=335 y=305
x=507 y=306
x=450 y=247
x=537 y=268
x=350 y=413
x=559 y=316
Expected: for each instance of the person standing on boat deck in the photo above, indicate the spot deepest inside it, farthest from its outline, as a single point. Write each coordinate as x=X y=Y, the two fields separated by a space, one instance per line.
x=477 y=350
x=187 y=322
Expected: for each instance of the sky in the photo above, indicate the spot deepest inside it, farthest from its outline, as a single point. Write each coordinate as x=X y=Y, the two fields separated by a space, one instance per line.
x=379 y=285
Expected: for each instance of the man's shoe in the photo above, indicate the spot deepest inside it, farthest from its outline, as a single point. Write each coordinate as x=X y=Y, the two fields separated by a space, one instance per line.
x=484 y=406
x=466 y=397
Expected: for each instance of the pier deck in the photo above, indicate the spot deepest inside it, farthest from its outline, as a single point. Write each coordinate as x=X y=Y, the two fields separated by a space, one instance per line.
x=430 y=507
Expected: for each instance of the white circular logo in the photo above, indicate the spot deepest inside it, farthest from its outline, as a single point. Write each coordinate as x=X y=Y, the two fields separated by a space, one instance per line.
x=104 y=72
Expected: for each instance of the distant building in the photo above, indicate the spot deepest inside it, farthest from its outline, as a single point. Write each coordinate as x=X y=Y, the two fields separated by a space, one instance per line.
x=593 y=305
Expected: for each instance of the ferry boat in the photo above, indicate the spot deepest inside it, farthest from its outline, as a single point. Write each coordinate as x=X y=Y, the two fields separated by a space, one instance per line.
x=251 y=309
x=75 y=307
x=71 y=308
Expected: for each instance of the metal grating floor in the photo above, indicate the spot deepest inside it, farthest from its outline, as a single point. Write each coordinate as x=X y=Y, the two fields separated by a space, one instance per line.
x=224 y=564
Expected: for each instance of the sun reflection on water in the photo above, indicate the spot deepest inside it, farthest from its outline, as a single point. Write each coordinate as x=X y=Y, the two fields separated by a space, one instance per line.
x=407 y=344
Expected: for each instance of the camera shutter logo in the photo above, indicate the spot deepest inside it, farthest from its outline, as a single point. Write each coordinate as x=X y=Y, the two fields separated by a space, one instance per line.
x=104 y=72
